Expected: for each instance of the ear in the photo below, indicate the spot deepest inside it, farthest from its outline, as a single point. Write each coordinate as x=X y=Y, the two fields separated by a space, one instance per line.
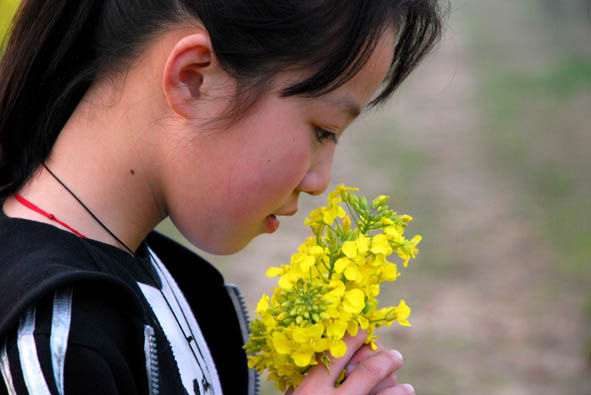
x=188 y=64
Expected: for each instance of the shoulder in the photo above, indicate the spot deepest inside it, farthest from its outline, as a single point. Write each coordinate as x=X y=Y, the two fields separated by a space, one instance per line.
x=36 y=259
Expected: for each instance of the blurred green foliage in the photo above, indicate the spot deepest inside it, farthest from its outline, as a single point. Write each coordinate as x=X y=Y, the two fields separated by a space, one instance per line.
x=535 y=99
x=7 y=9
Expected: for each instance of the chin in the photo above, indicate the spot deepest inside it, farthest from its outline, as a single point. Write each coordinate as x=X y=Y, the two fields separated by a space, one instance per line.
x=216 y=243
x=222 y=250
x=219 y=247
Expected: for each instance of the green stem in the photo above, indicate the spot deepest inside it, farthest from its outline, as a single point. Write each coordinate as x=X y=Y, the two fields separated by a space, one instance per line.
x=351 y=212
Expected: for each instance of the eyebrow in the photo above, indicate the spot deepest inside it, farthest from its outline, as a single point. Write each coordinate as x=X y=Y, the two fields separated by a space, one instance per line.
x=347 y=104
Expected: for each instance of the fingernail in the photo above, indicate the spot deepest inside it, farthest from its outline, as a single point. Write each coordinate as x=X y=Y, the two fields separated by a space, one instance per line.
x=397 y=354
x=409 y=387
x=350 y=367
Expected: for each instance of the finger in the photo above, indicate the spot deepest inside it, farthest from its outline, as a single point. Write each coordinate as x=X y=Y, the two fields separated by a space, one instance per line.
x=364 y=353
x=370 y=372
x=388 y=382
x=319 y=373
x=400 y=389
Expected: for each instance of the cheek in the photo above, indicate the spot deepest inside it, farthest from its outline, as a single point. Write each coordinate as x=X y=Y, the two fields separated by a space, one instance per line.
x=270 y=179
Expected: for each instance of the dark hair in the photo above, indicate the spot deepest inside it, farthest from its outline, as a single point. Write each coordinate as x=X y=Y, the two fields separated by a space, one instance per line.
x=58 y=48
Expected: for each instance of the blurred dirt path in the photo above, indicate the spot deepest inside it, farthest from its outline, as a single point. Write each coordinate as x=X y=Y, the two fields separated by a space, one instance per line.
x=495 y=316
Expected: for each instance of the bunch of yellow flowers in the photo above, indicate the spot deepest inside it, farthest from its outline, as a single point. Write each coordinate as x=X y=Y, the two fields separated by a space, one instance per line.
x=330 y=287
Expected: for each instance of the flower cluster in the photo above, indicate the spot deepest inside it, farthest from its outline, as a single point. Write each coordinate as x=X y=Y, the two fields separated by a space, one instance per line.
x=330 y=287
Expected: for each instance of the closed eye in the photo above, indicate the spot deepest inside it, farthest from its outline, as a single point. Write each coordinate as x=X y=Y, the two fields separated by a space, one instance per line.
x=323 y=135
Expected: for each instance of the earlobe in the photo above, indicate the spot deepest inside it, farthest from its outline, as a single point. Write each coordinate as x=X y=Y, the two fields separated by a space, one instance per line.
x=186 y=68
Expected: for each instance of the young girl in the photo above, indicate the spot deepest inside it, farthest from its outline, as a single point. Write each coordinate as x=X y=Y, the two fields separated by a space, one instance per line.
x=116 y=114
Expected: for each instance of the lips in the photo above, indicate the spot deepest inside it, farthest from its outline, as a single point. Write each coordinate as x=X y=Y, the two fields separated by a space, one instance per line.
x=272 y=223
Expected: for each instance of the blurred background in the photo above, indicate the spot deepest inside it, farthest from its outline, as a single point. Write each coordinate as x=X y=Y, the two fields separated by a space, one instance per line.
x=488 y=147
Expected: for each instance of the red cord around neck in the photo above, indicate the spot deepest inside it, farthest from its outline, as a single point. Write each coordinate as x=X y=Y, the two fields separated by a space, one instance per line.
x=52 y=217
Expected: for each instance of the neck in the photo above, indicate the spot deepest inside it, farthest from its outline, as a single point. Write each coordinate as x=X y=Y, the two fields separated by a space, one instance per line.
x=102 y=155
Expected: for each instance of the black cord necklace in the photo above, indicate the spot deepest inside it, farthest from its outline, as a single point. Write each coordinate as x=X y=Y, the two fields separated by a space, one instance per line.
x=188 y=338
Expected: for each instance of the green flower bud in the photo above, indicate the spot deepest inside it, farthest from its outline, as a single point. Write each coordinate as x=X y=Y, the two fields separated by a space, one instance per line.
x=282 y=316
x=363 y=203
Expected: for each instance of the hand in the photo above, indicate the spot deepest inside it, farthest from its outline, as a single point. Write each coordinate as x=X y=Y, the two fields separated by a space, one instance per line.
x=368 y=372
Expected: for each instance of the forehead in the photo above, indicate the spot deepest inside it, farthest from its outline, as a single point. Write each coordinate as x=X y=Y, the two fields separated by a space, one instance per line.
x=353 y=96
x=371 y=76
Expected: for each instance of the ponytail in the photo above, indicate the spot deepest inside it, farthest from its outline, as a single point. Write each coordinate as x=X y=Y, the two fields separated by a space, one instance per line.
x=46 y=69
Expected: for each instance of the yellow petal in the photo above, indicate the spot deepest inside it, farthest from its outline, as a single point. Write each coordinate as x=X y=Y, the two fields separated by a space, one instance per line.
x=337 y=329
x=402 y=313
x=269 y=321
x=300 y=335
x=307 y=263
x=302 y=359
x=341 y=264
x=274 y=272
x=380 y=244
x=338 y=349
x=354 y=301
x=349 y=249
x=353 y=328
x=362 y=243
x=263 y=304
x=285 y=283
x=390 y=272
x=346 y=223
x=363 y=322
x=352 y=273
x=281 y=343
x=316 y=251
x=393 y=233
x=316 y=330
x=329 y=216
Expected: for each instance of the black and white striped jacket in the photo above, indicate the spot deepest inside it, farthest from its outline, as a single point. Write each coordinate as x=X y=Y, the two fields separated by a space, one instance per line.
x=82 y=317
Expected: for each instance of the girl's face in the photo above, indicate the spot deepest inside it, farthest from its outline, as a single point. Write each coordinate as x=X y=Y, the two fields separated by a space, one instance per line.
x=224 y=187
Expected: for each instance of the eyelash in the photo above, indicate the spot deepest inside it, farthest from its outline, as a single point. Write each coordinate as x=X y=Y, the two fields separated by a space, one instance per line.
x=323 y=135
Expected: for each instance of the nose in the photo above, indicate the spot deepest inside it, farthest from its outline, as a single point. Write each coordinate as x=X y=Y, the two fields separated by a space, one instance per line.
x=318 y=176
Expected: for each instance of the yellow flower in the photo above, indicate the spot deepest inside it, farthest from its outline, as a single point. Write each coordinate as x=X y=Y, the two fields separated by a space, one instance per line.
x=281 y=343
x=390 y=271
x=330 y=288
x=380 y=245
x=402 y=313
x=362 y=243
x=338 y=348
x=263 y=304
x=409 y=249
x=274 y=272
